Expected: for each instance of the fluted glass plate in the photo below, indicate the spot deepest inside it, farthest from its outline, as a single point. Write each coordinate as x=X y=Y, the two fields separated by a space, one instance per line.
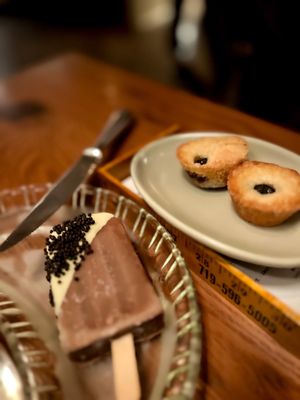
x=170 y=364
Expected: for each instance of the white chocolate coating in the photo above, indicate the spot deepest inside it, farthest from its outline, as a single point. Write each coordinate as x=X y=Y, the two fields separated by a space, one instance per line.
x=60 y=285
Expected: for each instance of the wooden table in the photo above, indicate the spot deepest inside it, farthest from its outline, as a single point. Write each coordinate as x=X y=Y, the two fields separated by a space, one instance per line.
x=50 y=112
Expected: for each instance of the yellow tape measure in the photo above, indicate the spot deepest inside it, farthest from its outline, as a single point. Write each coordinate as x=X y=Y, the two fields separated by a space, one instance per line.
x=274 y=317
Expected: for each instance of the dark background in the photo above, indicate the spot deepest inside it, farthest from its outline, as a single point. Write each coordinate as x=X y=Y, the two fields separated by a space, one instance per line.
x=243 y=54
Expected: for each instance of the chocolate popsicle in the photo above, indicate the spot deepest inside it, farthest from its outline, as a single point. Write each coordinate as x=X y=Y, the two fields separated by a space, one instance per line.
x=99 y=288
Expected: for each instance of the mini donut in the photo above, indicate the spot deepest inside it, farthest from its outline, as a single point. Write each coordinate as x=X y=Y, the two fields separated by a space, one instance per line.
x=209 y=160
x=264 y=194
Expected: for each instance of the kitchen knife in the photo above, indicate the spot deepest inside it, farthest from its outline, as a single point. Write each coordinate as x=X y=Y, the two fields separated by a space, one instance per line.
x=116 y=127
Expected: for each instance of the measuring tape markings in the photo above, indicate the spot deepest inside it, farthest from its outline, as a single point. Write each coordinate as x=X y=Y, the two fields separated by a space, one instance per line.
x=274 y=317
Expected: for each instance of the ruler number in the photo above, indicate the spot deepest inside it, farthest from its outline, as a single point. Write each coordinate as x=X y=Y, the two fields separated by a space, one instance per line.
x=231 y=294
x=286 y=324
x=261 y=318
x=207 y=275
x=202 y=260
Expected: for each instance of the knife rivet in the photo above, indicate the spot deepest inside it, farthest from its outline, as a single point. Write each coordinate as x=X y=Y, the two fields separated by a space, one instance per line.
x=93 y=152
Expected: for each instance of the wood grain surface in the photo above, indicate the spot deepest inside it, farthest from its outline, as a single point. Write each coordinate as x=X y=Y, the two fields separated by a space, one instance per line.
x=50 y=112
x=241 y=361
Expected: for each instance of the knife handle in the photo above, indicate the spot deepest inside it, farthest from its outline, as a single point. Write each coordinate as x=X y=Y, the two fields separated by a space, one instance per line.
x=114 y=130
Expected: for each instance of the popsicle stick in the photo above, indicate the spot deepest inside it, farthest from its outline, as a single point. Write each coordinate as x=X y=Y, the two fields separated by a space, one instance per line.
x=126 y=377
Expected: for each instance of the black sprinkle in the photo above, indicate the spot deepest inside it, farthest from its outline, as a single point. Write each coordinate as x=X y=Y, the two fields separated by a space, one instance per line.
x=76 y=278
x=67 y=243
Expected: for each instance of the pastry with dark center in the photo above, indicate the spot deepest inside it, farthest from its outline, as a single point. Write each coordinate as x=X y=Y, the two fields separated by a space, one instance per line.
x=99 y=288
x=264 y=194
x=209 y=160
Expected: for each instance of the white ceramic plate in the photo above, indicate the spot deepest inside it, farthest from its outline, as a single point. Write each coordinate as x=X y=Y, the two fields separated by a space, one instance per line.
x=208 y=216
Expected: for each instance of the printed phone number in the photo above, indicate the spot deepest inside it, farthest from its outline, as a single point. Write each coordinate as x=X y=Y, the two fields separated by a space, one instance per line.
x=232 y=295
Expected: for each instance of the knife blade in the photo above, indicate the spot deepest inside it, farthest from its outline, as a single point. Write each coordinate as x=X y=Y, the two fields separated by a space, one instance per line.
x=113 y=132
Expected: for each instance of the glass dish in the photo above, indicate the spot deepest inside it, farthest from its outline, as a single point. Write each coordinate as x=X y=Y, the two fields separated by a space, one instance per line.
x=22 y=277
x=21 y=346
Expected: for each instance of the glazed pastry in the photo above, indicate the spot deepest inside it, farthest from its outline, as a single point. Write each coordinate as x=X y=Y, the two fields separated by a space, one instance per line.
x=263 y=193
x=209 y=160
